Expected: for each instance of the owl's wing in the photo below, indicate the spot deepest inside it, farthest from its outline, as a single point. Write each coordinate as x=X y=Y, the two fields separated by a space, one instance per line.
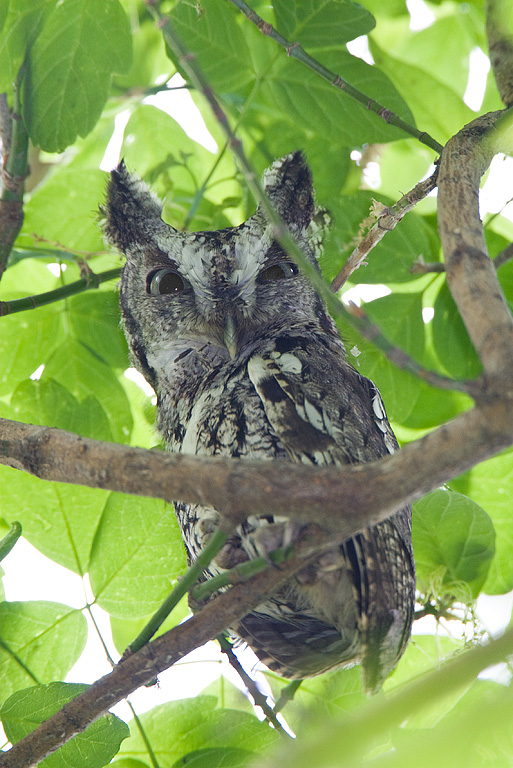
x=321 y=408
x=325 y=412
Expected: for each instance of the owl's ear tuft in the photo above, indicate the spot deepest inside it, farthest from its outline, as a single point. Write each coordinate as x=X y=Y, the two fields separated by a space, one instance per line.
x=131 y=210
x=288 y=182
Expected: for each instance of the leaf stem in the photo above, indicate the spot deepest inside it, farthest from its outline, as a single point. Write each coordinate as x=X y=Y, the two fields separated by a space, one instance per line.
x=10 y=539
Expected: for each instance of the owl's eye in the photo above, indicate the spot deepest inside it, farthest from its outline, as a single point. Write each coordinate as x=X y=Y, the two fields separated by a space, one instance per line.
x=165 y=281
x=280 y=271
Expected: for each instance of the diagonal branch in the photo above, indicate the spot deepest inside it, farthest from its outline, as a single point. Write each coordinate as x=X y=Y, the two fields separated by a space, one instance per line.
x=296 y=51
x=142 y=667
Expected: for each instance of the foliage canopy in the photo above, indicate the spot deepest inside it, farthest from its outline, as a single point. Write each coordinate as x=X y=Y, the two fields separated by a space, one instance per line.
x=83 y=71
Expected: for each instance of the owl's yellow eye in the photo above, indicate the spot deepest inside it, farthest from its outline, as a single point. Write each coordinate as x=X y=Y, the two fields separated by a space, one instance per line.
x=280 y=271
x=165 y=281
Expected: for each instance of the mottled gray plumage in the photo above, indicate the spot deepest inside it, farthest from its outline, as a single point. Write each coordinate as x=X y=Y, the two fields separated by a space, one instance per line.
x=246 y=362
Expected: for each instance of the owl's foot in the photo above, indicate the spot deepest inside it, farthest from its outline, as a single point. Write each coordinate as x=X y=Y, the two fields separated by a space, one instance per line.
x=231 y=554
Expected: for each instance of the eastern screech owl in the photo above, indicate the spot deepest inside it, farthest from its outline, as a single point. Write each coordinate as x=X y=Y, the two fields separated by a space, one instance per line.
x=246 y=362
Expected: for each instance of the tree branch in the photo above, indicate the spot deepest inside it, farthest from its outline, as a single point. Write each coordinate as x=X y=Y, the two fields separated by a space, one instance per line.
x=296 y=51
x=14 y=171
x=471 y=275
x=387 y=220
x=499 y=31
x=92 y=280
x=370 y=492
x=142 y=667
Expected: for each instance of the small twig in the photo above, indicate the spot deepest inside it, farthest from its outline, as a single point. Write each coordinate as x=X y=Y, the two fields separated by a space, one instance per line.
x=287 y=694
x=296 y=51
x=421 y=267
x=404 y=361
x=386 y=220
x=503 y=256
x=84 y=284
x=258 y=697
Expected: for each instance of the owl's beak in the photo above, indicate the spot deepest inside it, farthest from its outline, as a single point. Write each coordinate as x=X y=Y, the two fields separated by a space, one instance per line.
x=230 y=335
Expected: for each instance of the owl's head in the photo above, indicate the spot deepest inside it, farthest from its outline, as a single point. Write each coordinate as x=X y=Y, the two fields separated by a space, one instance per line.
x=216 y=293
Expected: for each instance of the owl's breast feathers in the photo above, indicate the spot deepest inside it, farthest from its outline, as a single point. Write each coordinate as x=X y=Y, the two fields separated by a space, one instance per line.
x=298 y=399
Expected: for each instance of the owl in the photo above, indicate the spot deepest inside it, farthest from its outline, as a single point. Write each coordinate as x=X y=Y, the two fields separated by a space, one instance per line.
x=247 y=363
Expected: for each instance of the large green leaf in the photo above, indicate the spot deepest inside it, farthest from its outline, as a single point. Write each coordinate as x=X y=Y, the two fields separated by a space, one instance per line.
x=136 y=557
x=437 y=108
x=282 y=87
x=178 y=728
x=57 y=518
x=490 y=484
x=451 y=340
x=86 y=376
x=312 y=22
x=454 y=543
x=39 y=642
x=94 y=748
x=75 y=195
x=69 y=70
x=95 y=320
x=20 y=22
x=50 y=404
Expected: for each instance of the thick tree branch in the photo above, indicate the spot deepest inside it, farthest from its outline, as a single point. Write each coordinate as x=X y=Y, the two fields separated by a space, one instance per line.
x=499 y=31
x=471 y=275
x=349 y=498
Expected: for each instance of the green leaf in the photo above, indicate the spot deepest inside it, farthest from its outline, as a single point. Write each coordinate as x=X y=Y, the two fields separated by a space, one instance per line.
x=454 y=544
x=313 y=105
x=425 y=653
x=217 y=758
x=490 y=484
x=451 y=341
x=75 y=195
x=399 y=315
x=94 y=748
x=86 y=376
x=39 y=641
x=69 y=70
x=437 y=108
x=26 y=341
x=178 y=728
x=124 y=631
x=312 y=22
x=95 y=320
x=136 y=557
x=215 y=37
x=331 y=696
x=49 y=403
x=20 y=23
x=57 y=518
